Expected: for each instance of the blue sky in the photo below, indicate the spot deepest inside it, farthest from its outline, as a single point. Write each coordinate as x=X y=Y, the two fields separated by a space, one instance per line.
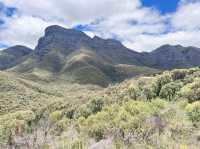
x=142 y=25
x=164 y=6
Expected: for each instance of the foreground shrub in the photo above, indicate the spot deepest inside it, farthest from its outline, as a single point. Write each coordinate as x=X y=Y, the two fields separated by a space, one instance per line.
x=133 y=92
x=159 y=104
x=96 y=105
x=121 y=120
x=148 y=92
x=191 y=91
x=193 y=111
x=160 y=82
x=55 y=116
x=14 y=124
x=169 y=90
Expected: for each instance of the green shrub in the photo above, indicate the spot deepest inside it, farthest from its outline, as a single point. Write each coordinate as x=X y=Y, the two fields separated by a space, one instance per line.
x=191 y=91
x=125 y=119
x=160 y=82
x=133 y=93
x=159 y=104
x=55 y=116
x=9 y=124
x=78 y=144
x=193 y=111
x=169 y=90
x=83 y=111
x=62 y=125
x=96 y=105
x=148 y=92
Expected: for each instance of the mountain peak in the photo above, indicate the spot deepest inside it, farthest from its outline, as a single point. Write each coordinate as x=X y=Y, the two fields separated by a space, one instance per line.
x=56 y=29
x=57 y=37
x=170 y=46
x=167 y=47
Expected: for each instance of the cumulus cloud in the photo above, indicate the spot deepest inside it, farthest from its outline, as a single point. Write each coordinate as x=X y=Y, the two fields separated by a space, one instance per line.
x=140 y=28
x=150 y=42
x=187 y=17
x=24 y=30
x=73 y=11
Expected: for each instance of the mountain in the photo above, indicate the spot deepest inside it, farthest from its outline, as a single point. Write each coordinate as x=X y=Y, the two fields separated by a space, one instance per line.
x=12 y=56
x=69 y=40
x=71 y=55
x=170 y=57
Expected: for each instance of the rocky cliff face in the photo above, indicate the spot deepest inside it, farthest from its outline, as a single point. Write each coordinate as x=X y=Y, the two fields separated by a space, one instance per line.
x=70 y=40
x=64 y=40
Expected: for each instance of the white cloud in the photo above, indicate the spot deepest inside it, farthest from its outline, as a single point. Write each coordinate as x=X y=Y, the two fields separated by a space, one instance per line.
x=73 y=11
x=150 y=42
x=24 y=30
x=140 y=28
x=187 y=17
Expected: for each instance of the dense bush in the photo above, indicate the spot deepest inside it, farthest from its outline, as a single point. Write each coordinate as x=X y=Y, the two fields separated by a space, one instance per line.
x=136 y=113
x=191 y=91
x=148 y=92
x=96 y=105
x=193 y=111
x=160 y=82
x=169 y=90
x=14 y=124
x=125 y=119
x=55 y=116
x=133 y=92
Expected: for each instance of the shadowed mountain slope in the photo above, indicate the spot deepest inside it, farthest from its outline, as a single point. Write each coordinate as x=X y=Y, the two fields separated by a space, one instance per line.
x=169 y=57
x=12 y=56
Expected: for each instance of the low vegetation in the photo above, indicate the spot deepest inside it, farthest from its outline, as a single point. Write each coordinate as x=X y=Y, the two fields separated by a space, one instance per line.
x=158 y=111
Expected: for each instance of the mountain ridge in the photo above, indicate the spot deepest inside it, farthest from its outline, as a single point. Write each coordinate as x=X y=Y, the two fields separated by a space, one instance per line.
x=72 y=55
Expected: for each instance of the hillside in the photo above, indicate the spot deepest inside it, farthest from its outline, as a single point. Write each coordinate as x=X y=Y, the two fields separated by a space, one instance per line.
x=13 y=56
x=143 y=112
x=170 y=57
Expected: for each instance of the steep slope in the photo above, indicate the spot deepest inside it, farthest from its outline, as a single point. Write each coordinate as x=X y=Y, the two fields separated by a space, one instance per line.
x=13 y=56
x=169 y=57
x=72 y=55
x=69 y=40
